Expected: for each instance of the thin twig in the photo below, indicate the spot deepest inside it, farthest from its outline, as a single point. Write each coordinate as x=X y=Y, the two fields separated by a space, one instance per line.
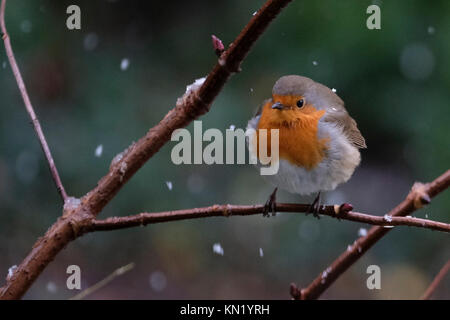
x=191 y=106
x=118 y=272
x=437 y=280
x=419 y=195
x=28 y=106
x=143 y=219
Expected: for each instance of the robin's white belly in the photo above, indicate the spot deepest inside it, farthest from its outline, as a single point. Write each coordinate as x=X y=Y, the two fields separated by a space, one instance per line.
x=337 y=166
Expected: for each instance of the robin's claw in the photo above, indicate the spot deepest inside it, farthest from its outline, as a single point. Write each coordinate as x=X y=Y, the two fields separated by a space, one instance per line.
x=314 y=207
x=270 y=205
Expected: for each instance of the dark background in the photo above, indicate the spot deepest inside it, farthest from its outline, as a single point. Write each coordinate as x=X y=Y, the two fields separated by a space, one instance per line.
x=395 y=84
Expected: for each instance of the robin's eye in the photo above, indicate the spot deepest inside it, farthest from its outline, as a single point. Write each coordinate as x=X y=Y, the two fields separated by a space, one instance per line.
x=300 y=103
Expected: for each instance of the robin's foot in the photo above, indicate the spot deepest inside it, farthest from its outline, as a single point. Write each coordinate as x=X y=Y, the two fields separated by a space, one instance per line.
x=270 y=205
x=314 y=207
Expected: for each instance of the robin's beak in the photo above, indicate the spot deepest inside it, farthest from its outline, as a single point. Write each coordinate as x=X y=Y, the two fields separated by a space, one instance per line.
x=278 y=106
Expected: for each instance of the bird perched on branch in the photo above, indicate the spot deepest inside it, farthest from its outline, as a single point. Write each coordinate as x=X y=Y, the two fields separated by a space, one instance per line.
x=318 y=140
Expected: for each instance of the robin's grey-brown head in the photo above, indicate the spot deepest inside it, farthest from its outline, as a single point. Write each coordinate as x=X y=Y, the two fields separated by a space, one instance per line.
x=321 y=98
x=315 y=93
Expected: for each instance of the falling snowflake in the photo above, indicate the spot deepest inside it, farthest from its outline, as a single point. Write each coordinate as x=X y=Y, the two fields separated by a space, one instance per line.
x=217 y=249
x=334 y=90
x=158 y=281
x=90 y=41
x=232 y=127
x=261 y=252
x=169 y=185
x=124 y=64
x=51 y=287
x=315 y=63
x=99 y=151
x=362 y=232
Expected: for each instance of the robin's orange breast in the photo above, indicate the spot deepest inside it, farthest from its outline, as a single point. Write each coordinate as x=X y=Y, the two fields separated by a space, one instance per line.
x=298 y=141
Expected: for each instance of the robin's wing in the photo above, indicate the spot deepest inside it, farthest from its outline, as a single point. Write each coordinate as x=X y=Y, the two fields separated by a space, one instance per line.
x=341 y=118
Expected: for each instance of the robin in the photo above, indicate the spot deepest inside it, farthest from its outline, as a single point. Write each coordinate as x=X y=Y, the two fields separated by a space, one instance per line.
x=318 y=140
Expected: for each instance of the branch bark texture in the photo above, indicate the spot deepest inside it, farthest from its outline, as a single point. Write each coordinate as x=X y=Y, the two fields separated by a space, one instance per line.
x=142 y=219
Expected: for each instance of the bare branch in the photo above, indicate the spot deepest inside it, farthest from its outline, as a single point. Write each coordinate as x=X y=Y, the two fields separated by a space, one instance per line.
x=28 y=105
x=419 y=195
x=228 y=210
x=191 y=106
x=437 y=280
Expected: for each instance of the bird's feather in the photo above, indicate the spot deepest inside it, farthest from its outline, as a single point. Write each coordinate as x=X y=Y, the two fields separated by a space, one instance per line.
x=341 y=118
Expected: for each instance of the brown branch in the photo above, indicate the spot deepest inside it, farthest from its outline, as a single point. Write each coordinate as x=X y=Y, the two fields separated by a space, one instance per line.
x=437 y=280
x=420 y=194
x=28 y=105
x=143 y=219
x=191 y=106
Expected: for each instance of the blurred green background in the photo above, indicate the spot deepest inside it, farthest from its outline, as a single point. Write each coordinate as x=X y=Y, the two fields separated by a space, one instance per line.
x=395 y=84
